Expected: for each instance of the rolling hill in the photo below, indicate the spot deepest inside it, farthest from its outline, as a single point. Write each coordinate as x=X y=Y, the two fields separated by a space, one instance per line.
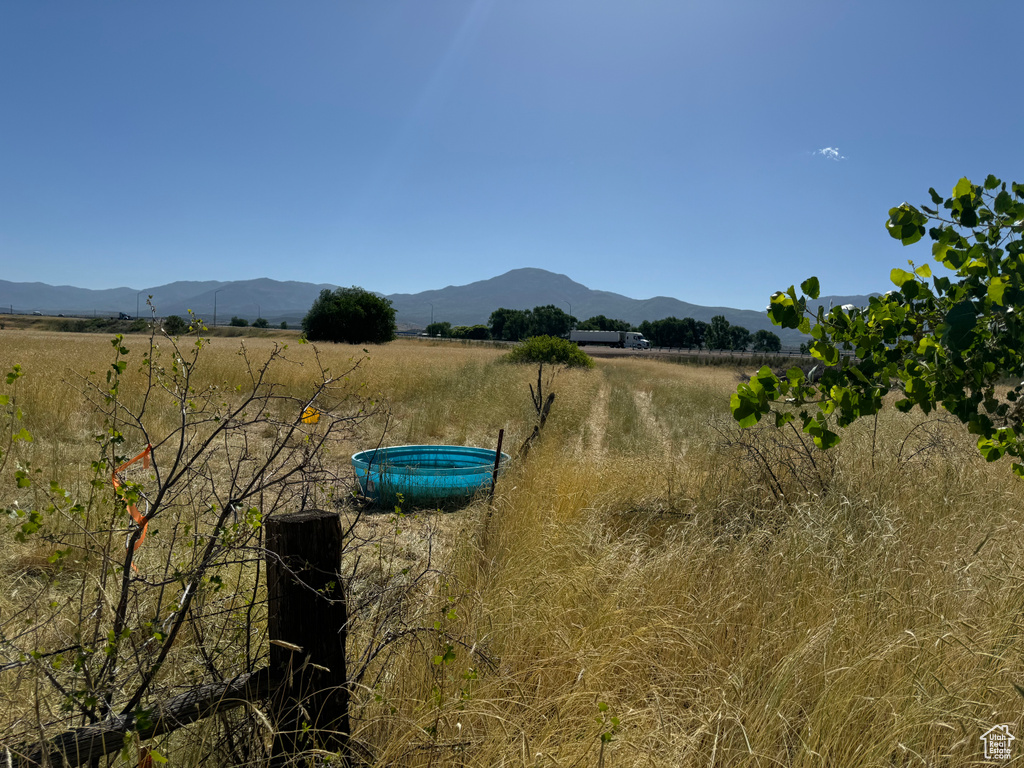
x=458 y=304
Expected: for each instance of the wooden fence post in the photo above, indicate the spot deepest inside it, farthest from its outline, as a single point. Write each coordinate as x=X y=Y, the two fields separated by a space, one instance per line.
x=308 y=626
x=307 y=680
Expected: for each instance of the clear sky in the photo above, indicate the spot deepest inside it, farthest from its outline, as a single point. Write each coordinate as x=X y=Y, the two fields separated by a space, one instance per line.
x=711 y=151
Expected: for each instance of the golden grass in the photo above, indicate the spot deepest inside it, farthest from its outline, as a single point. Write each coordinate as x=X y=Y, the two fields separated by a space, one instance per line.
x=637 y=561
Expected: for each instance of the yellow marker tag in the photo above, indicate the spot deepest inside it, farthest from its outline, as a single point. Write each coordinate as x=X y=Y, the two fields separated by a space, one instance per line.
x=311 y=415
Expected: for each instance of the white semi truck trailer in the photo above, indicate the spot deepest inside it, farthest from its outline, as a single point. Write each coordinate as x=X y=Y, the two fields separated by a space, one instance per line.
x=621 y=339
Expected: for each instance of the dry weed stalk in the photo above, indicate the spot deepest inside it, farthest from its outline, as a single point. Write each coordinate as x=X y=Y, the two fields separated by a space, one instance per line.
x=541 y=405
x=783 y=462
x=182 y=586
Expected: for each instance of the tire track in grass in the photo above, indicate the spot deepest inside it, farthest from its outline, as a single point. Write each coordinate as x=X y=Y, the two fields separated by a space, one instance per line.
x=594 y=441
x=658 y=433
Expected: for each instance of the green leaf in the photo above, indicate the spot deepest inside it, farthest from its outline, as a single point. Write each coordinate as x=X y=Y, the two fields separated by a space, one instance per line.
x=858 y=374
x=960 y=321
x=997 y=289
x=991 y=182
x=992 y=450
x=822 y=436
x=30 y=526
x=968 y=217
x=744 y=409
x=827 y=439
x=950 y=257
x=923 y=271
x=936 y=197
x=825 y=352
x=901 y=276
x=963 y=187
x=1004 y=202
x=782 y=419
x=810 y=287
x=783 y=310
x=906 y=224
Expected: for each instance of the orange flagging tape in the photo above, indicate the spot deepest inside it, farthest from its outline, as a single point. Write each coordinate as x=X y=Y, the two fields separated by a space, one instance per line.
x=133 y=510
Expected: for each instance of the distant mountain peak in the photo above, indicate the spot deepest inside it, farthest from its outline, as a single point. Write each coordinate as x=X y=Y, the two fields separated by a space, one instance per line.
x=275 y=300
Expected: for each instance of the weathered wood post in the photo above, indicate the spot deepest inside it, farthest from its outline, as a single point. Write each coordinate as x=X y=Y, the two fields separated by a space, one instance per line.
x=308 y=627
x=497 y=462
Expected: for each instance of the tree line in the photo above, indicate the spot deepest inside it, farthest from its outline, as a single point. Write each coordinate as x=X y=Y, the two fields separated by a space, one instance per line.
x=549 y=320
x=718 y=334
x=357 y=316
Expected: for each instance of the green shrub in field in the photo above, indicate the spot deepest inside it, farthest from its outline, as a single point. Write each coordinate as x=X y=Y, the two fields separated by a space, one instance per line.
x=175 y=325
x=550 y=349
x=477 y=332
x=350 y=316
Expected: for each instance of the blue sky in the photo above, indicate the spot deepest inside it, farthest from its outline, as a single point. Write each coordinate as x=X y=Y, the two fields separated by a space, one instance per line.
x=645 y=147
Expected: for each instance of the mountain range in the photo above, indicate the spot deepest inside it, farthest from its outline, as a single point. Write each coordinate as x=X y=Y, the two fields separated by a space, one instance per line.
x=458 y=304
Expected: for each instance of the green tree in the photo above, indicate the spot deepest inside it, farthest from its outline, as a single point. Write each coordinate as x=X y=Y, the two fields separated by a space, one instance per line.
x=175 y=325
x=284 y=325
x=550 y=320
x=674 y=332
x=698 y=333
x=717 y=335
x=260 y=322
x=439 y=329
x=677 y=331
x=664 y=332
x=766 y=341
x=647 y=329
x=477 y=332
x=602 y=323
x=239 y=322
x=509 y=324
x=937 y=340
x=739 y=338
x=553 y=350
x=351 y=315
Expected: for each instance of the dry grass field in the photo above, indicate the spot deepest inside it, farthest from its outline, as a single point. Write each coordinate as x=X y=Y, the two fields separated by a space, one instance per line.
x=650 y=587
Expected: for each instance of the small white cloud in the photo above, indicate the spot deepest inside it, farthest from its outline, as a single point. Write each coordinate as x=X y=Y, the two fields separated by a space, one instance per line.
x=832 y=153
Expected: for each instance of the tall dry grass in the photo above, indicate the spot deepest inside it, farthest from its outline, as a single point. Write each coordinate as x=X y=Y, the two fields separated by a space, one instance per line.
x=640 y=593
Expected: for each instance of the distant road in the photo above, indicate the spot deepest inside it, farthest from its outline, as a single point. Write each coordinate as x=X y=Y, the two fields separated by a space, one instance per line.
x=671 y=352
x=599 y=351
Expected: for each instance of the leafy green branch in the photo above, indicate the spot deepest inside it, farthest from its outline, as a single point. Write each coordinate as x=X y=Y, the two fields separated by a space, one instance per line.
x=946 y=339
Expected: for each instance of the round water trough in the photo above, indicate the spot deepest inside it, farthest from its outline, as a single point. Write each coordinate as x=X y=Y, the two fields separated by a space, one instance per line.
x=424 y=475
